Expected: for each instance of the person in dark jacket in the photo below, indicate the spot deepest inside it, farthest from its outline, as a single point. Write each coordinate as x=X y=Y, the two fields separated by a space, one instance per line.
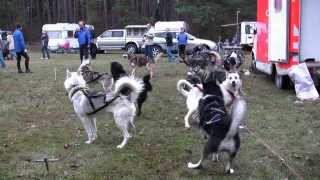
x=169 y=43
x=44 y=43
x=83 y=36
x=20 y=49
x=93 y=47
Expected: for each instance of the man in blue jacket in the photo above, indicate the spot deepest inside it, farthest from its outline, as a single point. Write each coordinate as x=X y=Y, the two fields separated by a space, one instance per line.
x=83 y=36
x=20 y=49
x=182 y=42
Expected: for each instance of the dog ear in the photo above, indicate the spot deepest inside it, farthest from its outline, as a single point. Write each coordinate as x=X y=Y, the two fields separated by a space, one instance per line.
x=68 y=73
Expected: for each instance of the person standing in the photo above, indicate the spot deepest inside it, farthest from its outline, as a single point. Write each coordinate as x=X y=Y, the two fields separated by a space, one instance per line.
x=2 y=63
x=148 y=43
x=44 y=43
x=83 y=36
x=11 y=46
x=182 y=42
x=169 y=43
x=93 y=47
x=20 y=49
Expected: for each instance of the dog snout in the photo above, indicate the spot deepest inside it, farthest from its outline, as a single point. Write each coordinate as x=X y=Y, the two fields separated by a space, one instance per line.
x=233 y=83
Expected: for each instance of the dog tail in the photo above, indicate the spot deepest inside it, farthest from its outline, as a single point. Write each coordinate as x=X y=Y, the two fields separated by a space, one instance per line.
x=129 y=86
x=180 y=87
x=238 y=112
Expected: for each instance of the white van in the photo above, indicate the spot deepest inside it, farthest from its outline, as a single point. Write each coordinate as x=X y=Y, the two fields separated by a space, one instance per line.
x=61 y=33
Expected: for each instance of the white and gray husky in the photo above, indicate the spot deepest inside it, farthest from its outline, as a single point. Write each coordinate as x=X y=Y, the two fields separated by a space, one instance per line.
x=122 y=104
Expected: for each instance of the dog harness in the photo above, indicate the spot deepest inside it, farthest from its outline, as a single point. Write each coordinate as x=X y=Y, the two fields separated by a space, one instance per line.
x=212 y=110
x=90 y=97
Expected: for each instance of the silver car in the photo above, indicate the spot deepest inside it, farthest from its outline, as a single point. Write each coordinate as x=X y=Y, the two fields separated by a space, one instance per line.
x=129 y=39
x=193 y=42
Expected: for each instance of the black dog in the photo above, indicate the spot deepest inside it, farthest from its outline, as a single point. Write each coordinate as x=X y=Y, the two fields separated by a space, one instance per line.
x=144 y=94
x=221 y=128
x=118 y=71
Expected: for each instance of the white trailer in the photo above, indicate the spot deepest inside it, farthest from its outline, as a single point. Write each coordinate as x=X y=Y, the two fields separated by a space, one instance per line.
x=60 y=34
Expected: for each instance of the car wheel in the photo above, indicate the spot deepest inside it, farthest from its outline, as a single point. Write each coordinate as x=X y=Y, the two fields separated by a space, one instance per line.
x=281 y=81
x=131 y=48
x=253 y=65
x=156 y=50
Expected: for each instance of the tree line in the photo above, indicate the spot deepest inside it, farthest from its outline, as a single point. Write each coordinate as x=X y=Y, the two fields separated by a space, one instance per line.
x=204 y=17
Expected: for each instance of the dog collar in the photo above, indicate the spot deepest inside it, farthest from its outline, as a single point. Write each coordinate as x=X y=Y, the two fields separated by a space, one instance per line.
x=233 y=97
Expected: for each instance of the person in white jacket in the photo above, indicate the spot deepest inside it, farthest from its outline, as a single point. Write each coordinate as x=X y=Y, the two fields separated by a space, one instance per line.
x=11 y=46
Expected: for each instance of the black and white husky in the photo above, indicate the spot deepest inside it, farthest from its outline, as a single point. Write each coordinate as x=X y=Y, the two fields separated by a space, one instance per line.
x=220 y=125
x=122 y=104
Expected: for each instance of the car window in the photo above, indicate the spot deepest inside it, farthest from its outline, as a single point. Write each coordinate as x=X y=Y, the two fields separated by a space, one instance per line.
x=54 y=34
x=117 y=33
x=163 y=34
x=106 y=34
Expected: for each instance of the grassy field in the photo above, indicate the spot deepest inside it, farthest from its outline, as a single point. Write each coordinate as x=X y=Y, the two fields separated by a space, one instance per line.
x=37 y=120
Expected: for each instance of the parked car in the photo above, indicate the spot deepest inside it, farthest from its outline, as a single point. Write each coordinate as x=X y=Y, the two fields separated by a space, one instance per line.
x=193 y=42
x=129 y=39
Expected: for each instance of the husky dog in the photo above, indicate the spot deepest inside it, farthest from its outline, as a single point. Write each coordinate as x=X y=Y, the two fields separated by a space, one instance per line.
x=233 y=61
x=90 y=76
x=139 y=60
x=231 y=88
x=118 y=71
x=220 y=126
x=122 y=106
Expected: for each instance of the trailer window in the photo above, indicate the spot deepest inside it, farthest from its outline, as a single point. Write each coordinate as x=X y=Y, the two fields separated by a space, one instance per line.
x=54 y=34
x=277 y=5
x=70 y=34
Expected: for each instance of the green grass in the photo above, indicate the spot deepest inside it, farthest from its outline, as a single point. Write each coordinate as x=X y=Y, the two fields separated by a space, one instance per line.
x=37 y=120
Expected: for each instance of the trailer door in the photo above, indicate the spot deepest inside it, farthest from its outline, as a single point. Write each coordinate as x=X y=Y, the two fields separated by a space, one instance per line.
x=310 y=28
x=278 y=30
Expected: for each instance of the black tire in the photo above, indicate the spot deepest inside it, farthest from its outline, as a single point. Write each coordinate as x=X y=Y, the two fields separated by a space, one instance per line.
x=156 y=50
x=131 y=48
x=253 y=65
x=281 y=81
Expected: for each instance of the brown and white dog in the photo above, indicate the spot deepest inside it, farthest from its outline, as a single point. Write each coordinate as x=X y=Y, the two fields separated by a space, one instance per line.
x=139 y=60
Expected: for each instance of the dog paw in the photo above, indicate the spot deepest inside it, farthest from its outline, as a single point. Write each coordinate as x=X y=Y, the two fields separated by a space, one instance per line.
x=187 y=127
x=120 y=146
x=194 y=166
x=230 y=171
x=88 y=142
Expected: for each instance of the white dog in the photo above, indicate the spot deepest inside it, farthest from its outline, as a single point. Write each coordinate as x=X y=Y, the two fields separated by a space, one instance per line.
x=193 y=96
x=122 y=105
x=231 y=88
